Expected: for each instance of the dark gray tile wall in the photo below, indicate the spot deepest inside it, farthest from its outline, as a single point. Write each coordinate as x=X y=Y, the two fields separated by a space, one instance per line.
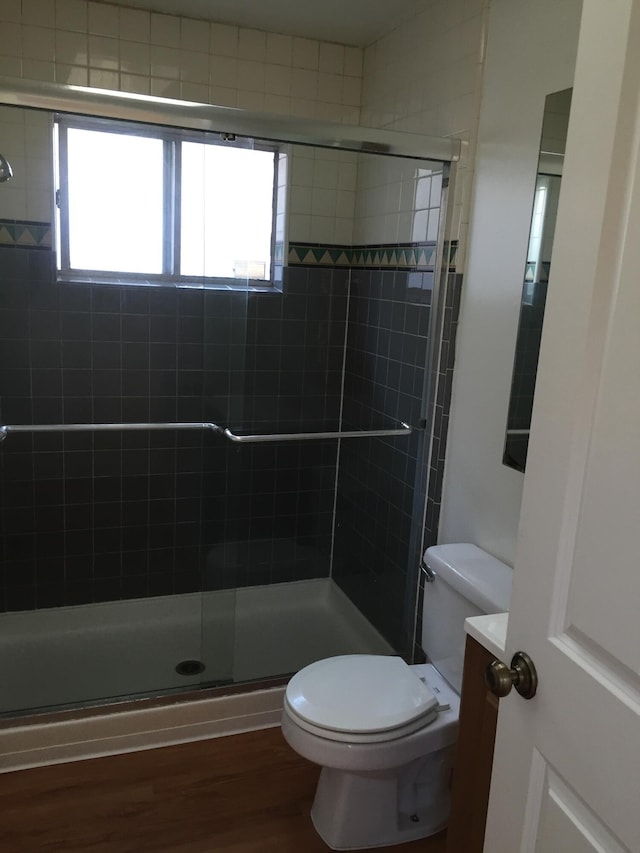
x=442 y=404
x=104 y=516
x=295 y=352
x=525 y=370
x=452 y=284
x=381 y=483
x=100 y=517
x=271 y=519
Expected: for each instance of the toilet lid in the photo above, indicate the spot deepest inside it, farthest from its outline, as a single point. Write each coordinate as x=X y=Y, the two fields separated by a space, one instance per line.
x=359 y=693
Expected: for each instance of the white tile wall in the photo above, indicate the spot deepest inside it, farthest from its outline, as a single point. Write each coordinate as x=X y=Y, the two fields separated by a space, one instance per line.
x=322 y=195
x=397 y=201
x=112 y=47
x=422 y=76
x=321 y=190
x=139 y=51
x=425 y=77
x=25 y=141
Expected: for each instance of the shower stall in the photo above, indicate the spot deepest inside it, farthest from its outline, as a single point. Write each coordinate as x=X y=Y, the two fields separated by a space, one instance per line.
x=209 y=481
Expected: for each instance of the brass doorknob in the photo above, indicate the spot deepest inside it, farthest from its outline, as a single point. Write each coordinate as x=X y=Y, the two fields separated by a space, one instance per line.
x=522 y=675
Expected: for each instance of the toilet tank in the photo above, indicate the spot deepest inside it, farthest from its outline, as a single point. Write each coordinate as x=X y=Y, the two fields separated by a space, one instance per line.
x=468 y=582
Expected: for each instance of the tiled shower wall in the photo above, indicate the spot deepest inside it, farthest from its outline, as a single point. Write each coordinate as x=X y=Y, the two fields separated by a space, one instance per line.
x=75 y=41
x=154 y=515
x=399 y=367
x=132 y=50
x=96 y=517
x=381 y=482
x=425 y=76
x=102 y=517
x=108 y=516
x=273 y=521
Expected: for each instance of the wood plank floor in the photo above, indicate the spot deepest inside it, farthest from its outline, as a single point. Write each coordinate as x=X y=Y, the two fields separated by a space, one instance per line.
x=248 y=793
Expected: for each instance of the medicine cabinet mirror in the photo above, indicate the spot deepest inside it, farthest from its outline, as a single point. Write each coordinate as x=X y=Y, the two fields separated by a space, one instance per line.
x=536 y=276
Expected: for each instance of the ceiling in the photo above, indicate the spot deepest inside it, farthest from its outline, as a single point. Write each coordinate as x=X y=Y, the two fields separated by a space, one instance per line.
x=352 y=22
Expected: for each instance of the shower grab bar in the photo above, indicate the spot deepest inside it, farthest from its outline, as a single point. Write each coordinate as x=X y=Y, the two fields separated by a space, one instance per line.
x=6 y=429
x=403 y=429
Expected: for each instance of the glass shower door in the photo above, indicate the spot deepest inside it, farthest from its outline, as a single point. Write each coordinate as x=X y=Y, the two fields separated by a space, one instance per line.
x=101 y=522
x=228 y=202
x=243 y=392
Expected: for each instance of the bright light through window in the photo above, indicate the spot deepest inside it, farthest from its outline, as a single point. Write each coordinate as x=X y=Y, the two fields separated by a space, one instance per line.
x=115 y=201
x=156 y=205
x=227 y=211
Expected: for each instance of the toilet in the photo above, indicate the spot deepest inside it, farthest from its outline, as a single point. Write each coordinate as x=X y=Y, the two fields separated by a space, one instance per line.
x=384 y=731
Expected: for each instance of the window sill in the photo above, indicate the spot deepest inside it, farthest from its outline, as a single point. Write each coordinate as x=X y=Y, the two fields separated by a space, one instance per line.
x=235 y=285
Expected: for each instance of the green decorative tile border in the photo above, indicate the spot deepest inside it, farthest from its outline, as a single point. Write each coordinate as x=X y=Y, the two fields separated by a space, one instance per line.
x=38 y=235
x=409 y=256
x=25 y=235
x=317 y=255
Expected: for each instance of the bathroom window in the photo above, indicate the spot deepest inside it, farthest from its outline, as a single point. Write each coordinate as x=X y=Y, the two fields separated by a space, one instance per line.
x=150 y=204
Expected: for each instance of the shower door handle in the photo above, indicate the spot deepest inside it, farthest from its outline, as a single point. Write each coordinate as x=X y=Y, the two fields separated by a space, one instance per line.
x=403 y=429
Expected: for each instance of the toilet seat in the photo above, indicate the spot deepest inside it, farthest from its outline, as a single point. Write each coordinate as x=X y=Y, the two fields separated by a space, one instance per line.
x=360 y=699
x=359 y=737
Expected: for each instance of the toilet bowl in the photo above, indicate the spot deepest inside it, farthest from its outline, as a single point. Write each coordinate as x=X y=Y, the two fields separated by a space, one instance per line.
x=384 y=731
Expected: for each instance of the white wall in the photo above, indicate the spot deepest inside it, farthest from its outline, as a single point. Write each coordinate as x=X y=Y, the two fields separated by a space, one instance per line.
x=530 y=52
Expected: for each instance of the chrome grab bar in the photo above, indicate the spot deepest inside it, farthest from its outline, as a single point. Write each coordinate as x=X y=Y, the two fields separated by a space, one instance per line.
x=5 y=430
x=403 y=429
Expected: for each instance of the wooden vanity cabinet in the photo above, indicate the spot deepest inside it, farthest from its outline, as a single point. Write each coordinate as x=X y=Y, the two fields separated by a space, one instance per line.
x=474 y=754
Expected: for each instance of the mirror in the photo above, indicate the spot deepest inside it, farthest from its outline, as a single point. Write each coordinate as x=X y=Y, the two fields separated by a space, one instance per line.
x=536 y=276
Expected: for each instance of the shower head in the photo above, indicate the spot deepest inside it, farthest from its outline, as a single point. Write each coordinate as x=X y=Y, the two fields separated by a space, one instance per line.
x=6 y=171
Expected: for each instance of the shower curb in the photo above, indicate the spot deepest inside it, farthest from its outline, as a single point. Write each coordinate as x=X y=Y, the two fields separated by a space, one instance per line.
x=41 y=744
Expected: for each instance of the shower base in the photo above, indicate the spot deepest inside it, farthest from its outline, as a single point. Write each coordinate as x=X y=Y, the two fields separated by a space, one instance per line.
x=69 y=656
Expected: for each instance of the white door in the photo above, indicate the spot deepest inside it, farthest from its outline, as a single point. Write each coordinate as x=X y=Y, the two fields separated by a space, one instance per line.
x=566 y=775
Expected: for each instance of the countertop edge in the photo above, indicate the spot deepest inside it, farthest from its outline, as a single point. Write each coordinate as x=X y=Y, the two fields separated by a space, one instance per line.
x=490 y=631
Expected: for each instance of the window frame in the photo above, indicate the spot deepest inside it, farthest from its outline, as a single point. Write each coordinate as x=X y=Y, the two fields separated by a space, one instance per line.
x=171 y=218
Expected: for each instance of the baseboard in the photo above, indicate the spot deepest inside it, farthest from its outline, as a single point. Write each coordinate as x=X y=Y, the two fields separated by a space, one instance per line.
x=37 y=745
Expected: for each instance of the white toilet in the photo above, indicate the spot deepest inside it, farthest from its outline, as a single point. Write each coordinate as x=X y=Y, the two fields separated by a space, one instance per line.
x=384 y=731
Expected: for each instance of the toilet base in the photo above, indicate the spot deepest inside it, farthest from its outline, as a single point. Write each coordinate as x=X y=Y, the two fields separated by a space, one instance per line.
x=352 y=811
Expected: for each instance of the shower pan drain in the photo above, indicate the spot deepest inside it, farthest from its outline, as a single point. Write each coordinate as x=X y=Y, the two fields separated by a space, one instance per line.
x=190 y=667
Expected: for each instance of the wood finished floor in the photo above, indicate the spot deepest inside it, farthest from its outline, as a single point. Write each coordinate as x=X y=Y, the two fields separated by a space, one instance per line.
x=248 y=793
